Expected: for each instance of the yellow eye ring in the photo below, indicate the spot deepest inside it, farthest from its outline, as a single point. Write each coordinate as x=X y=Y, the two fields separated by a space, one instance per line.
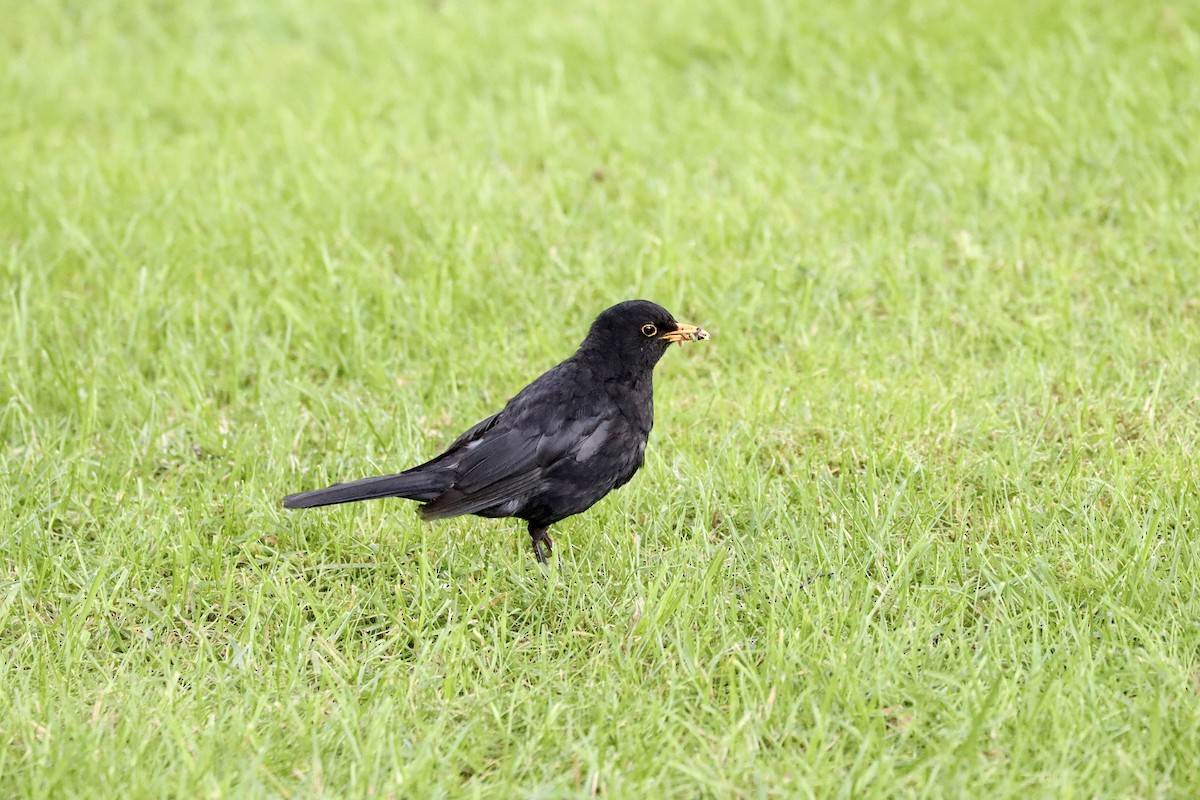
x=649 y=330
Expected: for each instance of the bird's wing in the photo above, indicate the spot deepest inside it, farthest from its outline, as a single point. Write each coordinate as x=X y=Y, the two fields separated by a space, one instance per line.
x=507 y=463
x=497 y=466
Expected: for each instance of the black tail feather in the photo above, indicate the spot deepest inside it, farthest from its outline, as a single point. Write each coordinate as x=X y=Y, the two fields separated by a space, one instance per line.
x=409 y=485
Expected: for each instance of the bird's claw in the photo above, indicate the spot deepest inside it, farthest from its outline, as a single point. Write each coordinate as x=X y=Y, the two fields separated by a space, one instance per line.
x=543 y=546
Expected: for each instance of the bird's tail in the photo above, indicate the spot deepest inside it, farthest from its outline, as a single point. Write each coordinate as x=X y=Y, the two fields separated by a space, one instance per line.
x=412 y=485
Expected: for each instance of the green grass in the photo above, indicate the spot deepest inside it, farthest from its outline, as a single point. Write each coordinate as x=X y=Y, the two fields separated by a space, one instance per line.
x=920 y=519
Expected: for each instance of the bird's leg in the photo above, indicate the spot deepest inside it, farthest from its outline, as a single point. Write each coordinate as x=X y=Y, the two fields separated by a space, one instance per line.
x=543 y=545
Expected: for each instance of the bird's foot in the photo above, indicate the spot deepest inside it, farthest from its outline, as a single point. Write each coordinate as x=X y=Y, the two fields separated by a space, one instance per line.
x=543 y=545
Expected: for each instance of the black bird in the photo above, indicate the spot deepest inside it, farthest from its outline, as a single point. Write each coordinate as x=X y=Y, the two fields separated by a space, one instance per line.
x=562 y=443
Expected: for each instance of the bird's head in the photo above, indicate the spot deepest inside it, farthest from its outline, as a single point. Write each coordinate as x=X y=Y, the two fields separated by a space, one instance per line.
x=635 y=334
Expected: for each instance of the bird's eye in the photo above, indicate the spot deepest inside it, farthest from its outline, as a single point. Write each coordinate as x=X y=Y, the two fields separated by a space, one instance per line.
x=649 y=330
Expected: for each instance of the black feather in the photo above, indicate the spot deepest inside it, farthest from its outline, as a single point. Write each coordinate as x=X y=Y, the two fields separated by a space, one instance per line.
x=422 y=486
x=561 y=444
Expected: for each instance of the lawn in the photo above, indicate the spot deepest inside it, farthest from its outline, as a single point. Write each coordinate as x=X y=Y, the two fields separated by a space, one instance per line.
x=919 y=520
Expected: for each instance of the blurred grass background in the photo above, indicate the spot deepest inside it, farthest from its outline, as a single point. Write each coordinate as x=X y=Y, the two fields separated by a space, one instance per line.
x=919 y=520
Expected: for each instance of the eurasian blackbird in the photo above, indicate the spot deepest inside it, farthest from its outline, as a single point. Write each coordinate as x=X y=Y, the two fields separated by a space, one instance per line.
x=562 y=443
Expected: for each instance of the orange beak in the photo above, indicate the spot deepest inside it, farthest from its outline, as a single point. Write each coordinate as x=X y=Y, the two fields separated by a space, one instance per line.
x=685 y=333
